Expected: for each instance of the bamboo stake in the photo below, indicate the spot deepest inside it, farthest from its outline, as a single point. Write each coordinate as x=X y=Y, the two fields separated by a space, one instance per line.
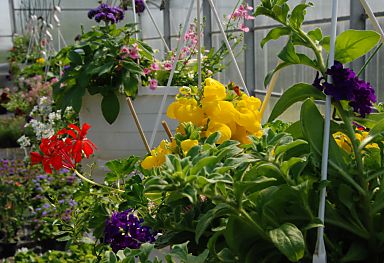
x=138 y=125
x=167 y=130
x=271 y=87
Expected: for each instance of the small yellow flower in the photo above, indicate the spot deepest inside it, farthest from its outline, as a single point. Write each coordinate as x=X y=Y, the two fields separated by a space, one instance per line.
x=40 y=60
x=187 y=145
x=343 y=141
x=157 y=157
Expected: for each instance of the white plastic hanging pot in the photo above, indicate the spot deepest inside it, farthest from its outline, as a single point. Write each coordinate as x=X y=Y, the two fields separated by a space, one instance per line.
x=122 y=139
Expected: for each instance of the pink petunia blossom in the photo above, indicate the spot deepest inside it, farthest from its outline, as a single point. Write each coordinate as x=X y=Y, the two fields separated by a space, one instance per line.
x=244 y=28
x=155 y=67
x=147 y=71
x=168 y=66
x=153 y=84
x=134 y=52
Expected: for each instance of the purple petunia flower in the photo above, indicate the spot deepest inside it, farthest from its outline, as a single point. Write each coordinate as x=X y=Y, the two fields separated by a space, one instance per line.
x=124 y=230
x=347 y=86
x=139 y=6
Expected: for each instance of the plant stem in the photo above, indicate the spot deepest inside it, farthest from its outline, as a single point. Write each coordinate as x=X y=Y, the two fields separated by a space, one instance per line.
x=82 y=177
x=315 y=49
x=366 y=205
x=258 y=228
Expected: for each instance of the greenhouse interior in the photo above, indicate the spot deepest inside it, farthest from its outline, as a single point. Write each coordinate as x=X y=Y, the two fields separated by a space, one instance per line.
x=192 y=131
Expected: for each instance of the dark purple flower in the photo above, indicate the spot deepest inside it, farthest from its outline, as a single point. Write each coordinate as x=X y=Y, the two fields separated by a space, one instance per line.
x=107 y=14
x=347 y=86
x=124 y=230
x=67 y=67
x=139 y=6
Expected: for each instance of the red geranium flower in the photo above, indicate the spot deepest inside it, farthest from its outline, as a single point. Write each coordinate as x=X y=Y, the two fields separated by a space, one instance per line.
x=65 y=149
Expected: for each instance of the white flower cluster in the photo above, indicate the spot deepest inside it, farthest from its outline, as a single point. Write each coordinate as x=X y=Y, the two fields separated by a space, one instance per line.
x=44 y=122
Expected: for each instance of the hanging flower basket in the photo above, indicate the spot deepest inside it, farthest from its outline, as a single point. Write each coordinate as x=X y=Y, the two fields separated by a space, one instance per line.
x=122 y=137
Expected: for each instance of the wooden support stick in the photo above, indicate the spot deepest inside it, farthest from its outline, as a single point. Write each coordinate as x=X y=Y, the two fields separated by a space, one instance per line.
x=167 y=130
x=138 y=125
x=271 y=87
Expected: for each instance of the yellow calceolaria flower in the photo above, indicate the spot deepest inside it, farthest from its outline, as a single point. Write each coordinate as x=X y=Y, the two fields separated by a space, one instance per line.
x=187 y=145
x=248 y=115
x=186 y=110
x=214 y=90
x=220 y=111
x=345 y=143
x=40 y=60
x=157 y=157
x=362 y=136
x=225 y=131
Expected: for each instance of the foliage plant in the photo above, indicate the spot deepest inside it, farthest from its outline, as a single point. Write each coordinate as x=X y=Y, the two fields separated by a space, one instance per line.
x=354 y=209
x=104 y=61
x=31 y=201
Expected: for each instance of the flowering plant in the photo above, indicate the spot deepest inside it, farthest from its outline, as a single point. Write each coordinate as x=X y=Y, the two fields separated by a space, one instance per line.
x=356 y=147
x=215 y=108
x=213 y=60
x=29 y=90
x=105 y=61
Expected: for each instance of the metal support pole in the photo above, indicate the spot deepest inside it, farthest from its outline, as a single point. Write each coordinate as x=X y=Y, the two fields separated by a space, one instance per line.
x=357 y=22
x=167 y=23
x=320 y=255
x=12 y=16
x=249 y=54
x=208 y=25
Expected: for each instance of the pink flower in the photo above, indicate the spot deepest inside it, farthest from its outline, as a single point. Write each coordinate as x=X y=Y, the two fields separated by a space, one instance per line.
x=249 y=17
x=167 y=66
x=147 y=71
x=244 y=28
x=153 y=84
x=134 y=52
x=124 y=50
x=155 y=67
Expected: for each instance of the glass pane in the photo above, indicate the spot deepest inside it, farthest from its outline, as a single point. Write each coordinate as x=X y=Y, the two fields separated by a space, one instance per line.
x=147 y=27
x=224 y=8
x=374 y=71
x=230 y=73
x=5 y=25
x=178 y=12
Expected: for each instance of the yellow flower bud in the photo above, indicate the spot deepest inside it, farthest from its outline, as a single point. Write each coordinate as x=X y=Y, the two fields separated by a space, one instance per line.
x=187 y=145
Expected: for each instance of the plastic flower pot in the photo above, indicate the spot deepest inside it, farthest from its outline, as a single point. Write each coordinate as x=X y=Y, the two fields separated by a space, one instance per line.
x=122 y=138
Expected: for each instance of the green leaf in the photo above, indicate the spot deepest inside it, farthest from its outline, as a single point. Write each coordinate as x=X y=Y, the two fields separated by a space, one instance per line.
x=297 y=16
x=110 y=257
x=289 y=240
x=376 y=130
x=289 y=146
x=303 y=59
x=312 y=123
x=75 y=57
x=275 y=34
x=206 y=219
x=356 y=253
x=296 y=93
x=315 y=35
x=131 y=86
x=352 y=44
x=110 y=107
x=288 y=54
x=280 y=12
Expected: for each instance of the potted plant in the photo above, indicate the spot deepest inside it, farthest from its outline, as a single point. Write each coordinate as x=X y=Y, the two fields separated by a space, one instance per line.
x=107 y=64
